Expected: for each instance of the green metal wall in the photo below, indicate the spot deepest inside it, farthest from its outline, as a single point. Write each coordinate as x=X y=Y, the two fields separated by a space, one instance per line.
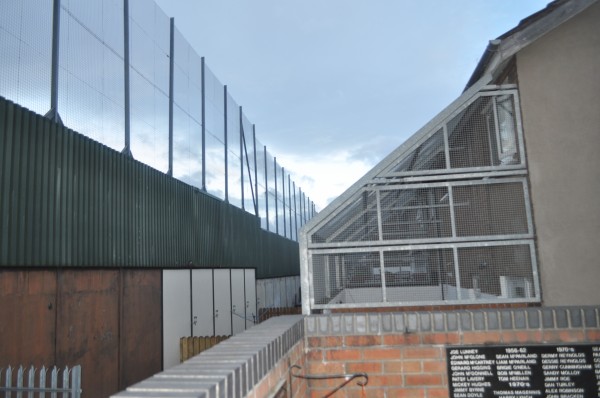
x=66 y=200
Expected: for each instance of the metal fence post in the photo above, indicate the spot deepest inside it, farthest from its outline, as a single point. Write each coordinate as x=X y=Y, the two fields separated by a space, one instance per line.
x=283 y=200
x=127 y=149
x=225 y=138
x=203 y=77
x=255 y=170
x=266 y=187
x=290 y=204
x=171 y=92
x=242 y=158
x=52 y=114
x=276 y=196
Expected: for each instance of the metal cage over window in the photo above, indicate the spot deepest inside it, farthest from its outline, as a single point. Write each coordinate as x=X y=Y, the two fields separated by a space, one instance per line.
x=444 y=219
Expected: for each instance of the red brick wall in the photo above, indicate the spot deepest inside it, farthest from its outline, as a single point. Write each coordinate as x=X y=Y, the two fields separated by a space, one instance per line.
x=411 y=364
x=279 y=379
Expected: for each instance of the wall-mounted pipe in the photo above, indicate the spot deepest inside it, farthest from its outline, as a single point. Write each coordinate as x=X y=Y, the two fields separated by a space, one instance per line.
x=348 y=377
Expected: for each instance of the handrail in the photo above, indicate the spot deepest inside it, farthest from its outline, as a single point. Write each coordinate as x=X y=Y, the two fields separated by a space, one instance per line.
x=347 y=376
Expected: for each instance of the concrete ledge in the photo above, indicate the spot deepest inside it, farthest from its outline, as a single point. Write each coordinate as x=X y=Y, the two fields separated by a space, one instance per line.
x=452 y=321
x=231 y=368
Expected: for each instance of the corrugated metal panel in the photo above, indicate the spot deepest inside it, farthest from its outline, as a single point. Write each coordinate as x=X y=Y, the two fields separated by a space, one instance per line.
x=66 y=200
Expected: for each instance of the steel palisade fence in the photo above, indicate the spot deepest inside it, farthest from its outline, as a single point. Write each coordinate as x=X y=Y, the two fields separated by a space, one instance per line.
x=25 y=383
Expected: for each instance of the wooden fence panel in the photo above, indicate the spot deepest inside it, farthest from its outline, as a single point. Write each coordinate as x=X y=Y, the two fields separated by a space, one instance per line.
x=192 y=346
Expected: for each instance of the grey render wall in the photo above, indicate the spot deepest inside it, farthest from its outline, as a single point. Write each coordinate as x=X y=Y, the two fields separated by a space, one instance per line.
x=559 y=83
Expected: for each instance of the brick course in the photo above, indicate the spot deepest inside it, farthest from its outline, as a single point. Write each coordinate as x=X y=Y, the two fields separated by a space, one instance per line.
x=404 y=354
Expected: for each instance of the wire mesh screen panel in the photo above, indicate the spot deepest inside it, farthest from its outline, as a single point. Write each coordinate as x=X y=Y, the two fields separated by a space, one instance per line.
x=248 y=166
x=484 y=134
x=356 y=222
x=423 y=275
x=91 y=84
x=430 y=155
x=261 y=194
x=422 y=213
x=215 y=135
x=272 y=196
x=234 y=162
x=149 y=74
x=25 y=52
x=347 y=278
x=187 y=113
x=490 y=209
x=496 y=272
x=448 y=220
x=281 y=206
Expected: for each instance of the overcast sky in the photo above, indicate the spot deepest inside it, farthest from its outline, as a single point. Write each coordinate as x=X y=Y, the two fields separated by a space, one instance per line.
x=333 y=86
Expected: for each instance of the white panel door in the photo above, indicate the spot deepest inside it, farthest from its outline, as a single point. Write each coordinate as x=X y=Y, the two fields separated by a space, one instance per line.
x=222 y=309
x=250 y=284
x=290 y=292
x=261 y=297
x=202 y=302
x=269 y=294
x=176 y=313
x=238 y=302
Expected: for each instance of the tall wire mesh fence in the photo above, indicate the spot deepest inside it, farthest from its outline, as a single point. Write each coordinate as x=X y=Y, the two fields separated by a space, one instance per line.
x=123 y=75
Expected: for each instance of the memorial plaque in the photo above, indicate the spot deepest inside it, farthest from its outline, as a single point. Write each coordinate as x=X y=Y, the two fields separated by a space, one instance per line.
x=524 y=371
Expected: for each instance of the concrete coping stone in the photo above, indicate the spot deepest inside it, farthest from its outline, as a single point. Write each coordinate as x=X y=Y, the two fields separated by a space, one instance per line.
x=485 y=319
x=231 y=368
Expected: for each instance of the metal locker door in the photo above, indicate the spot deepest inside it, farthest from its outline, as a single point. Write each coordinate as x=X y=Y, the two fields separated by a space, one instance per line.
x=202 y=302
x=261 y=297
x=176 y=313
x=222 y=297
x=289 y=290
x=250 y=284
x=238 y=307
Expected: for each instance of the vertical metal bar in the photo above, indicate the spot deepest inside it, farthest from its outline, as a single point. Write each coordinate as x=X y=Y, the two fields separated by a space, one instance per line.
x=242 y=158
x=528 y=207
x=266 y=187
x=30 y=381
x=497 y=128
x=452 y=215
x=379 y=218
x=76 y=382
x=290 y=204
x=447 y=146
x=255 y=170
x=301 y=203
x=203 y=77
x=519 y=126
x=226 y=143
x=382 y=271
x=283 y=197
x=171 y=92
x=295 y=212
x=534 y=270
x=52 y=114
x=457 y=274
x=127 y=150
x=276 y=196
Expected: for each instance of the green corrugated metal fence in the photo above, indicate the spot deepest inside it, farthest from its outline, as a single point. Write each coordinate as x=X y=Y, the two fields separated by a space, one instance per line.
x=66 y=200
